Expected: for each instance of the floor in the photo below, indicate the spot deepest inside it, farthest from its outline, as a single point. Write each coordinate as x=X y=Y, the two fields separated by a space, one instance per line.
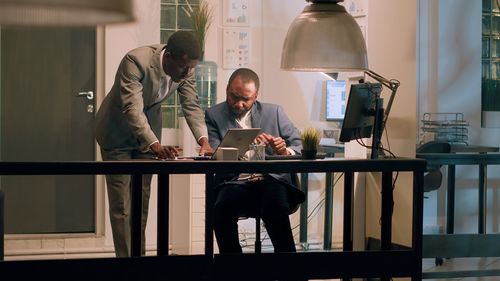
x=463 y=264
x=458 y=264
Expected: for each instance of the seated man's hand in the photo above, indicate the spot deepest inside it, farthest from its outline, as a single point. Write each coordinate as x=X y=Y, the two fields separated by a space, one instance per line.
x=278 y=144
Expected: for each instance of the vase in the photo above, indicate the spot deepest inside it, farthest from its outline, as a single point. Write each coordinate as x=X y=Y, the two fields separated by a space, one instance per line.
x=309 y=154
x=206 y=83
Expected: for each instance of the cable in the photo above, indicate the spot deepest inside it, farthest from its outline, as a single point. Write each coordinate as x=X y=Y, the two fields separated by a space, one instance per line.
x=318 y=206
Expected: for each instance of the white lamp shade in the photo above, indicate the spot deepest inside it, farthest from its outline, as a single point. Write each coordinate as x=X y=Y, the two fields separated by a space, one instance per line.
x=64 y=12
x=324 y=38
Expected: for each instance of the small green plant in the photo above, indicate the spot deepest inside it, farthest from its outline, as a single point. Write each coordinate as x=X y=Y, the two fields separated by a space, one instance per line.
x=201 y=18
x=310 y=138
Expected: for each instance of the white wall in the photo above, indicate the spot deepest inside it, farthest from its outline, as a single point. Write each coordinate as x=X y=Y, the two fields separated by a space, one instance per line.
x=450 y=72
x=391 y=32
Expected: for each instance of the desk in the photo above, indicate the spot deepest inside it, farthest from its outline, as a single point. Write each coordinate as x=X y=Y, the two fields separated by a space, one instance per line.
x=483 y=175
x=466 y=150
x=464 y=245
x=385 y=263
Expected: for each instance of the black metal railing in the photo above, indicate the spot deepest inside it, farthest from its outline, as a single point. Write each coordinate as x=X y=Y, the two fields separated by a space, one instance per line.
x=384 y=263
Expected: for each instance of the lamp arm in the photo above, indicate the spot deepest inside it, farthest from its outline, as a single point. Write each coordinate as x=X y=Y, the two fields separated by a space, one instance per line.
x=392 y=84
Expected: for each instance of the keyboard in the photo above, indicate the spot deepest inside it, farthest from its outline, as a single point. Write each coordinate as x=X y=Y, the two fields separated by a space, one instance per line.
x=292 y=157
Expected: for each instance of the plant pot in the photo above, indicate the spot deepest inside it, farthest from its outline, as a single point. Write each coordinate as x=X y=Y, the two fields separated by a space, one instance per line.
x=309 y=154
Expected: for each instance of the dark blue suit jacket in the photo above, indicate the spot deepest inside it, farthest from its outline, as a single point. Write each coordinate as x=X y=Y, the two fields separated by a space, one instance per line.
x=272 y=120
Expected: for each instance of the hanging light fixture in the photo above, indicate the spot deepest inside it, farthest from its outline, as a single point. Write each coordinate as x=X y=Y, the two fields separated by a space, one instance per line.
x=324 y=38
x=64 y=12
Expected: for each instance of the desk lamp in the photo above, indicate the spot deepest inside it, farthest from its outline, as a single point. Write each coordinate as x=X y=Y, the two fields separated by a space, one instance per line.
x=325 y=38
x=64 y=12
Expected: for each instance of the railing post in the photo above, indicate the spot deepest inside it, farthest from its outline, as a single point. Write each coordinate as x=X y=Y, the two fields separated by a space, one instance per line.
x=327 y=232
x=136 y=216
x=347 y=241
x=387 y=209
x=2 y=234
x=163 y=214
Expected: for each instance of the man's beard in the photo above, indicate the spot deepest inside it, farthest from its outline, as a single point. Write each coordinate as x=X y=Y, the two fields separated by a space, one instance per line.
x=239 y=113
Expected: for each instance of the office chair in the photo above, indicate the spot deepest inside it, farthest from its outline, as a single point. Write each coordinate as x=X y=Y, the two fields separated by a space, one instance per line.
x=258 y=242
x=433 y=177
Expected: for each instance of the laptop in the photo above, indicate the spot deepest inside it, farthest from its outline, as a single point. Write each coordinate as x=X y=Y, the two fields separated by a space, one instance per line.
x=238 y=138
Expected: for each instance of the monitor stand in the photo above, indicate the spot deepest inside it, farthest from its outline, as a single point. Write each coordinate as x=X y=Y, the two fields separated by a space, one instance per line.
x=378 y=128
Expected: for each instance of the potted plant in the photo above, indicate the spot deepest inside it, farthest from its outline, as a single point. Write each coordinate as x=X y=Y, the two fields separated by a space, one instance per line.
x=201 y=18
x=310 y=142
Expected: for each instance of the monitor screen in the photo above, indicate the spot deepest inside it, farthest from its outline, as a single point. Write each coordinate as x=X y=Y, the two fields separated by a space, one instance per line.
x=359 y=116
x=335 y=100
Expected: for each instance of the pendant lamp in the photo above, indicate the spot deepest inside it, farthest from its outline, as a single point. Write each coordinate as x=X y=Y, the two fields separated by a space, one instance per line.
x=324 y=38
x=64 y=12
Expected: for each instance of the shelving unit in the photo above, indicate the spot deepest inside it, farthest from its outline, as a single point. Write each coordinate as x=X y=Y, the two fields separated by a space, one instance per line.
x=450 y=127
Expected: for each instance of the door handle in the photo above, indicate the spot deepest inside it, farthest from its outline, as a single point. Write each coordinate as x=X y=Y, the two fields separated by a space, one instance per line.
x=89 y=95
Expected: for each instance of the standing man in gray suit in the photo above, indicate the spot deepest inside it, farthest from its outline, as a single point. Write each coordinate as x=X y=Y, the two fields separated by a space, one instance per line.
x=270 y=196
x=129 y=121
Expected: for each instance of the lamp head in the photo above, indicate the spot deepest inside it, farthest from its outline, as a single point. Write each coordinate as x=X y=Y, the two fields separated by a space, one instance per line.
x=324 y=38
x=64 y=12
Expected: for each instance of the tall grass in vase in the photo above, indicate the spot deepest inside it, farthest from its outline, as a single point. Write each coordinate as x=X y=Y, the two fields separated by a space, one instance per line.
x=201 y=18
x=310 y=142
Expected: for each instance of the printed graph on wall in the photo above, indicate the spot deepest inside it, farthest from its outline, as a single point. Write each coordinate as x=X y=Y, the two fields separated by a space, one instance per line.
x=236 y=48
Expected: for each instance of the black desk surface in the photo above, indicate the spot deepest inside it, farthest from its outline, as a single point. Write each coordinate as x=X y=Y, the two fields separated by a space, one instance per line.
x=459 y=148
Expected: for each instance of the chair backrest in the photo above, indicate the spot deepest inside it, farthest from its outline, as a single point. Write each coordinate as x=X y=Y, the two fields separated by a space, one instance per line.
x=434 y=147
x=433 y=177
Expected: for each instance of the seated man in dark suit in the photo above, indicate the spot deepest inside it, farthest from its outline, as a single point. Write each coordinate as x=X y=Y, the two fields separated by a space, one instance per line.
x=272 y=197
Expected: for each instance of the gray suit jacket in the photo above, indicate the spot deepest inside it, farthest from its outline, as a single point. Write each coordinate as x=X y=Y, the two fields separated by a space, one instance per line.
x=129 y=116
x=272 y=120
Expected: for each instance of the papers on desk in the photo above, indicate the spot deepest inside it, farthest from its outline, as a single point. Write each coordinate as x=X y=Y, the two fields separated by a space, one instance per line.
x=327 y=141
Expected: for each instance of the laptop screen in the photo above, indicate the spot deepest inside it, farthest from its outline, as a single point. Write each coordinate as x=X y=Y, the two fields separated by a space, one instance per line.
x=238 y=138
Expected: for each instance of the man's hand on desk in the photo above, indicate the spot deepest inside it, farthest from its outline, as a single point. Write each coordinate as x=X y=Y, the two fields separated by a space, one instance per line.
x=164 y=152
x=205 y=148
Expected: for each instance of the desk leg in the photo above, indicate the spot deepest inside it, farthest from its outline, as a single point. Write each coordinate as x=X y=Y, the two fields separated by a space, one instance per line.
x=162 y=222
x=327 y=235
x=482 y=199
x=450 y=200
x=136 y=216
x=304 y=177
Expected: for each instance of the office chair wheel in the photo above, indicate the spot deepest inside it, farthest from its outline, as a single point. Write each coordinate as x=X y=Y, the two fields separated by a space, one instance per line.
x=439 y=261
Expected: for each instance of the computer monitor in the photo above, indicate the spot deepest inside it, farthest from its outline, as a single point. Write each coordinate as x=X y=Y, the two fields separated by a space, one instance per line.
x=363 y=115
x=335 y=100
